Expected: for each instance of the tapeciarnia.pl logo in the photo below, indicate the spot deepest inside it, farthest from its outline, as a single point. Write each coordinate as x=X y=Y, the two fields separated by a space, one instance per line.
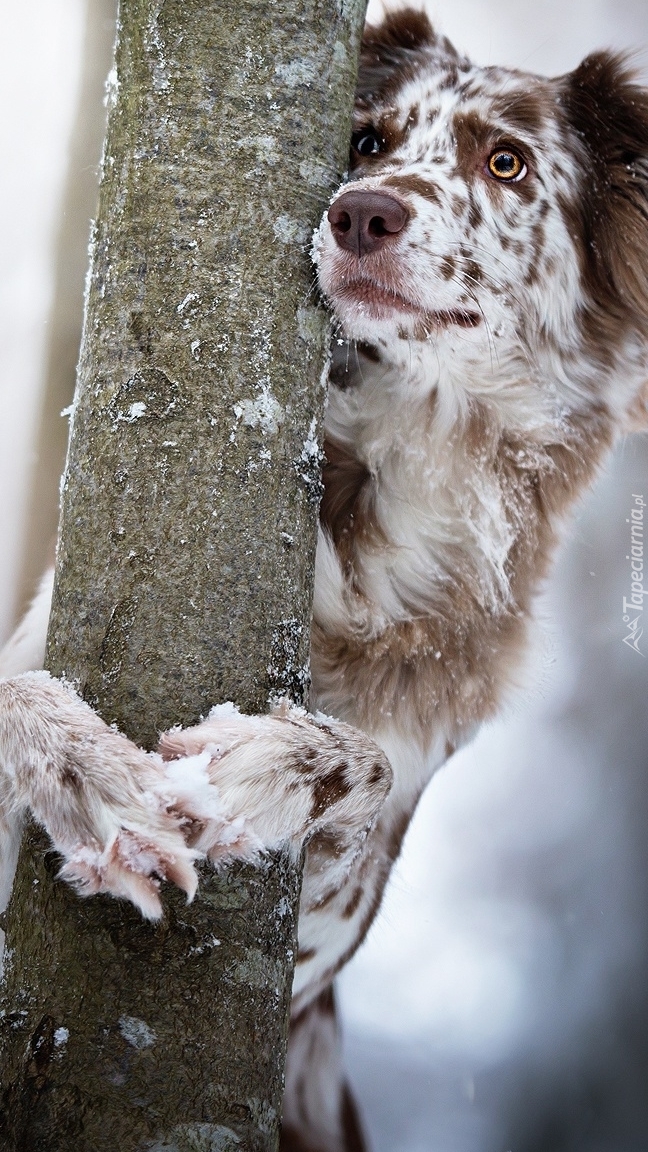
x=634 y=605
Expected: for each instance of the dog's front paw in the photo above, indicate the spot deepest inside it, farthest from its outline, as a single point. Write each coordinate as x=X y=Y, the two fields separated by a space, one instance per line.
x=250 y=783
x=95 y=793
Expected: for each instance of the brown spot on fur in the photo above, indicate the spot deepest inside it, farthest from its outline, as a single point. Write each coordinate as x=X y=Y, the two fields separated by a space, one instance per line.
x=322 y=848
x=473 y=136
x=322 y=1005
x=524 y=110
x=537 y=249
x=72 y=776
x=406 y=28
x=378 y=773
x=397 y=834
x=413 y=117
x=344 y=479
x=306 y=954
x=392 y=133
x=413 y=183
x=291 y=1141
x=310 y=1027
x=450 y=79
x=450 y=749
x=325 y=1002
x=367 y=919
x=323 y=901
x=448 y=266
x=472 y=272
x=352 y=905
x=347 y=507
x=329 y=789
x=475 y=214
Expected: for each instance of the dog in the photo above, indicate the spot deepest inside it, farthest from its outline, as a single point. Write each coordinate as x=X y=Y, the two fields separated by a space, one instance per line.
x=486 y=266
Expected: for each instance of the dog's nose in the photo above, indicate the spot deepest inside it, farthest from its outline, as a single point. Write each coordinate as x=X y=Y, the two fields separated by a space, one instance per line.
x=363 y=222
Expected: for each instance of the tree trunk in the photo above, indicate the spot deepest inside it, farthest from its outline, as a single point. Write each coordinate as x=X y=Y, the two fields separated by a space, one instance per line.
x=185 y=561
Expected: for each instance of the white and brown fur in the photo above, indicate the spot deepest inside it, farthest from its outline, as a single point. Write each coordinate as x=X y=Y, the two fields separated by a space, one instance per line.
x=487 y=355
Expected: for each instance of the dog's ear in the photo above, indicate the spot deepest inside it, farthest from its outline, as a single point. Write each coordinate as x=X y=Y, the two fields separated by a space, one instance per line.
x=608 y=111
x=407 y=28
x=393 y=51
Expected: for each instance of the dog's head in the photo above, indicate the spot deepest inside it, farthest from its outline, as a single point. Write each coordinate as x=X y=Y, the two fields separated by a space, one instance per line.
x=497 y=217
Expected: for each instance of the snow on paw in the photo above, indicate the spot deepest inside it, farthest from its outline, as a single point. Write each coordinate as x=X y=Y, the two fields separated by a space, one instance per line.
x=224 y=729
x=131 y=866
x=190 y=793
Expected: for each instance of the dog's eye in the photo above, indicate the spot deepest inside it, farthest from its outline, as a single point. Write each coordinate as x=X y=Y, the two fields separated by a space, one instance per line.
x=367 y=142
x=505 y=164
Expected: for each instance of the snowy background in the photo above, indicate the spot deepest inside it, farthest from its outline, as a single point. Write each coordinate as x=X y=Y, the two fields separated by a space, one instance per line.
x=501 y=1001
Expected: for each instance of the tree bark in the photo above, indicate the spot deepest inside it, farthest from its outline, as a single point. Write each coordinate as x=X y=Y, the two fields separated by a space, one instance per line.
x=185 y=561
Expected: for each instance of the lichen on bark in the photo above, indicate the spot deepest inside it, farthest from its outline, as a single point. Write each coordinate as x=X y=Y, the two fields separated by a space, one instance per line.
x=185 y=561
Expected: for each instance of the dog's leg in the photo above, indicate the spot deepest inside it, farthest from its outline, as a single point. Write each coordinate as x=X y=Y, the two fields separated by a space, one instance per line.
x=319 y=1113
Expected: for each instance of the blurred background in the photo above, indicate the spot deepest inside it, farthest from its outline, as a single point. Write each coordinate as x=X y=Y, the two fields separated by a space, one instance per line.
x=500 y=1003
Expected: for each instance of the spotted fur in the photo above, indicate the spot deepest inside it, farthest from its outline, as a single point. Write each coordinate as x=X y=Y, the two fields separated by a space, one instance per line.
x=490 y=345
